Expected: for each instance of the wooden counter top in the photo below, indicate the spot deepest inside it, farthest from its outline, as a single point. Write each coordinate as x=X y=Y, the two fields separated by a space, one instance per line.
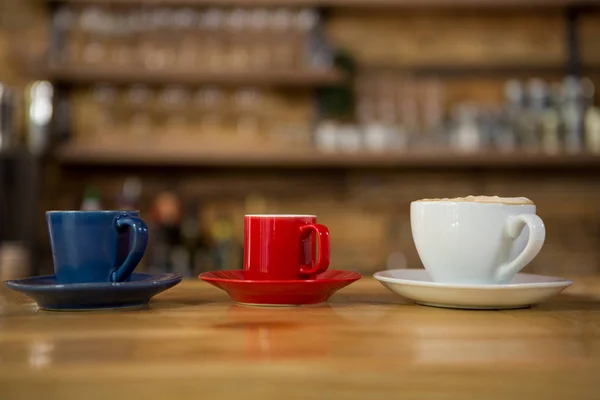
x=367 y=343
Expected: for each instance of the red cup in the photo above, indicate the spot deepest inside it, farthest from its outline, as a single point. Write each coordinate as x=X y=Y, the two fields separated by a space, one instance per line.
x=283 y=247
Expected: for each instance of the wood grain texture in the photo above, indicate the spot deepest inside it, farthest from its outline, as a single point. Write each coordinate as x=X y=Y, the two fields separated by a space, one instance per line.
x=366 y=342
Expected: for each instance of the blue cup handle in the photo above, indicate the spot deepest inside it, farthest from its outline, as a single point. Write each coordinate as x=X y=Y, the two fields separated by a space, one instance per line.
x=138 y=248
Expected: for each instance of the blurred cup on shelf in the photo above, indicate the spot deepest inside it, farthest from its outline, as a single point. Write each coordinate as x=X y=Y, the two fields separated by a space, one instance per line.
x=326 y=136
x=349 y=138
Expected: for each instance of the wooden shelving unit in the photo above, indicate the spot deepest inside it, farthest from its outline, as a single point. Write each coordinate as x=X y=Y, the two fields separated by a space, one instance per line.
x=400 y=4
x=470 y=71
x=153 y=156
x=118 y=75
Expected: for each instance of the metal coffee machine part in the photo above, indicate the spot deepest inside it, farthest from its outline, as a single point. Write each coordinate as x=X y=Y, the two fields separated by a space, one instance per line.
x=7 y=131
x=39 y=116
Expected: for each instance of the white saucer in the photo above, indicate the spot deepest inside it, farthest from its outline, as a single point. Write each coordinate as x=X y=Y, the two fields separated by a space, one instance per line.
x=522 y=291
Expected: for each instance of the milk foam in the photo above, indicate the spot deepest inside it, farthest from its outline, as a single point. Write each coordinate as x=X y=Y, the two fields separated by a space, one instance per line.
x=487 y=200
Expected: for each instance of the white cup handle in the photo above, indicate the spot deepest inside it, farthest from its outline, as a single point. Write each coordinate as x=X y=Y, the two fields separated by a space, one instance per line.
x=537 y=235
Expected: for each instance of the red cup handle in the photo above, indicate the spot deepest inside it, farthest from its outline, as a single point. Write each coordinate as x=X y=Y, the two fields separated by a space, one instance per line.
x=324 y=249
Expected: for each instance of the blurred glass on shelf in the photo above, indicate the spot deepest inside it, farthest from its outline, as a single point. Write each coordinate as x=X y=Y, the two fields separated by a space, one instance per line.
x=210 y=102
x=140 y=105
x=106 y=99
x=247 y=104
x=173 y=105
x=158 y=37
x=592 y=117
x=396 y=112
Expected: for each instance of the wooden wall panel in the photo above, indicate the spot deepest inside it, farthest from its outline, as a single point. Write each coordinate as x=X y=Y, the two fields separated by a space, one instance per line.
x=590 y=38
x=459 y=38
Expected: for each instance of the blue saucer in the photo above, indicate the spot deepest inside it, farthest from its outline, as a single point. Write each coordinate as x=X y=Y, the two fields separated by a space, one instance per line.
x=137 y=292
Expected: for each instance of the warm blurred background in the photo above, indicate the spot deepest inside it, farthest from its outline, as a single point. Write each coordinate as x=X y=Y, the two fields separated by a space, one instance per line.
x=196 y=112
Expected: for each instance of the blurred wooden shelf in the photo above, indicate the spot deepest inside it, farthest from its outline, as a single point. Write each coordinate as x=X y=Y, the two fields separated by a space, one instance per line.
x=116 y=75
x=470 y=71
x=352 y=3
x=80 y=156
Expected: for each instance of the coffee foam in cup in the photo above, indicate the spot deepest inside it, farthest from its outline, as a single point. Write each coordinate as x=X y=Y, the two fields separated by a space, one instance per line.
x=486 y=199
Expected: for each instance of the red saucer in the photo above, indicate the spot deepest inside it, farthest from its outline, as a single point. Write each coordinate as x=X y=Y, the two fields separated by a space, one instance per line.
x=280 y=293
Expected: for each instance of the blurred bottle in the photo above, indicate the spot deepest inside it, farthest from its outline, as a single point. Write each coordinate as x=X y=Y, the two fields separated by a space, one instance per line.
x=39 y=115
x=592 y=117
x=573 y=115
x=224 y=250
x=525 y=121
x=433 y=104
x=375 y=134
x=466 y=135
x=64 y=21
x=538 y=102
x=168 y=252
x=130 y=194
x=305 y=24
x=91 y=199
x=551 y=124
x=7 y=128
x=408 y=110
x=515 y=106
x=190 y=232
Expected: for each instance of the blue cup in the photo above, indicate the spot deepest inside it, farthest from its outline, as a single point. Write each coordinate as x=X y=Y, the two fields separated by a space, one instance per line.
x=96 y=246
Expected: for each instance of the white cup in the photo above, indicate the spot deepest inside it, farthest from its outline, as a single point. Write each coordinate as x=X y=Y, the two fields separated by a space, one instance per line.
x=476 y=240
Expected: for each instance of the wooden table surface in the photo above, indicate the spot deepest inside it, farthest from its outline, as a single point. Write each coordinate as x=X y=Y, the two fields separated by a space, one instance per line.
x=192 y=342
